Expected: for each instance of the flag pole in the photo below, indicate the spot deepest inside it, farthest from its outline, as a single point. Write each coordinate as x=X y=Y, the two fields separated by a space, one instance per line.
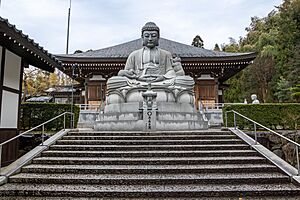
x=68 y=29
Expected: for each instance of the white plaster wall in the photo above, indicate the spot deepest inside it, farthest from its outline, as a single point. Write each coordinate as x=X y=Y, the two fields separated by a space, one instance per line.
x=9 y=110
x=12 y=70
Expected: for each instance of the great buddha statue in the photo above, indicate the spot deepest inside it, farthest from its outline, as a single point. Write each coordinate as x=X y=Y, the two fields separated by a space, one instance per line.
x=154 y=67
x=151 y=93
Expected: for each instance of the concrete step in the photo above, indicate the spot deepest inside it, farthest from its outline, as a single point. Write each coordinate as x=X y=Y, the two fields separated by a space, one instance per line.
x=149 y=198
x=147 y=160
x=162 y=165
x=149 y=169
x=150 y=147
x=144 y=191
x=133 y=154
x=136 y=179
x=158 y=133
x=150 y=142
x=152 y=137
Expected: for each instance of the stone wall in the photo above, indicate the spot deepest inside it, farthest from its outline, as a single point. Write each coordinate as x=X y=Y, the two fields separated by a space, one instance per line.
x=281 y=147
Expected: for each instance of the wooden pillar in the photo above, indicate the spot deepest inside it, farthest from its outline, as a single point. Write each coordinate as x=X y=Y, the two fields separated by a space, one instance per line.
x=197 y=94
x=86 y=91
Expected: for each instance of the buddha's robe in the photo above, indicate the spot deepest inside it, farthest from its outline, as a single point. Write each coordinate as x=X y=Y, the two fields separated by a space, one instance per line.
x=147 y=65
x=144 y=63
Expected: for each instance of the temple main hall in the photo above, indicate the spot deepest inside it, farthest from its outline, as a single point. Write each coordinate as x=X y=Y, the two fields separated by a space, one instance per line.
x=210 y=69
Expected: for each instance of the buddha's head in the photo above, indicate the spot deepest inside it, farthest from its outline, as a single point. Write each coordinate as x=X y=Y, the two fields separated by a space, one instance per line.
x=150 y=35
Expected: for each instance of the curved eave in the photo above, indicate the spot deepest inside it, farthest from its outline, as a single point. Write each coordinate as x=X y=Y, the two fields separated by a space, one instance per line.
x=88 y=59
x=20 y=44
x=249 y=57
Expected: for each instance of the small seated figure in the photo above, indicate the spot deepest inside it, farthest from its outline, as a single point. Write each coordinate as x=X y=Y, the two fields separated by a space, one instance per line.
x=177 y=66
x=254 y=99
x=150 y=65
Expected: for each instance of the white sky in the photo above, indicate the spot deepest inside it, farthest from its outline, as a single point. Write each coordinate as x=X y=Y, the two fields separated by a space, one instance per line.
x=96 y=24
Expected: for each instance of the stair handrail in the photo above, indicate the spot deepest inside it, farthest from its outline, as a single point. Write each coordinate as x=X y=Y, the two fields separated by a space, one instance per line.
x=255 y=133
x=38 y=126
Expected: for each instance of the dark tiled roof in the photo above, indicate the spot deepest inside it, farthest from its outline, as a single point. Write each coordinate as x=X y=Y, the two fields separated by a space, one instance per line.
x=123 y=51
x=20 y=43
x=40 y=99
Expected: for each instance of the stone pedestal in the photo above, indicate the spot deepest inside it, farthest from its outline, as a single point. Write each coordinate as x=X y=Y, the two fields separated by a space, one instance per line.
x=169 y=116
x=143 y=109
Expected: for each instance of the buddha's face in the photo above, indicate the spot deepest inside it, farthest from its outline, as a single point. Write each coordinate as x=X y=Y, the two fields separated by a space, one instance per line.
x=150 y=39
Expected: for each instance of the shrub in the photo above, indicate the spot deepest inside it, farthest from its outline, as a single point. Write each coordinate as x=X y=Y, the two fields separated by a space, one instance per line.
x=274 y=116
x=34 y=114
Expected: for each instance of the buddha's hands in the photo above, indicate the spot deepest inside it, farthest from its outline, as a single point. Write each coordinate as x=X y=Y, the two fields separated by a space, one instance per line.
x=128 y=73
x=159 y=78
x=151 y=78
x=146 y=78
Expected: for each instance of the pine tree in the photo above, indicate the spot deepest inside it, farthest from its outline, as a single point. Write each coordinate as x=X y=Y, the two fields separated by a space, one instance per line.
x=198 y=42
x=217 y=48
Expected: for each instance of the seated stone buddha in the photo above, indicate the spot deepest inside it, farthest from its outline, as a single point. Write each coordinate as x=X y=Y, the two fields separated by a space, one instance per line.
x=151 y=67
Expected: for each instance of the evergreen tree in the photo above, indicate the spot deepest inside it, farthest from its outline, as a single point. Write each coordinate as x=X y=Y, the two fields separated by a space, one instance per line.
x=198 y=42
x=217 y=48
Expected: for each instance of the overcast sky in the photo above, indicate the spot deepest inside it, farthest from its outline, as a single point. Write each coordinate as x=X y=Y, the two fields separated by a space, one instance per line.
x=96 y=24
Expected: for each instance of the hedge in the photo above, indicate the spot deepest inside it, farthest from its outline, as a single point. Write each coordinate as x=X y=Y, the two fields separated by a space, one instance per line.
x=274 y=116
x=34 y=114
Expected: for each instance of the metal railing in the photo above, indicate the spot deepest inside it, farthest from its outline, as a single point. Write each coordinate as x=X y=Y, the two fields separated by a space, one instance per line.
x=255 y=124
x=34 y=128
x=89 y=106
x=208 y=106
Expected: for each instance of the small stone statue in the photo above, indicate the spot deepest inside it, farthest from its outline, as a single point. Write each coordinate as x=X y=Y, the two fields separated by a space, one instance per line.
x=254 y=99
x=176 y=63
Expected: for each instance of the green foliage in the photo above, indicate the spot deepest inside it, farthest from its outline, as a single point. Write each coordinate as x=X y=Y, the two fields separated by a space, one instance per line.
x=296 y=92
x=34 y=114
x=276 y=39
x=274 y=116
x=283 y=91
x=235 y=90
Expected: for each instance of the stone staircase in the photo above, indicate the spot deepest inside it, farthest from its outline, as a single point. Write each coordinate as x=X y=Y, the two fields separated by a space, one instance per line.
x=164 y=165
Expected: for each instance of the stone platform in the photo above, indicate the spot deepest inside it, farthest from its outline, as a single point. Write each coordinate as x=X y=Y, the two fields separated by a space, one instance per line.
x=167 y=116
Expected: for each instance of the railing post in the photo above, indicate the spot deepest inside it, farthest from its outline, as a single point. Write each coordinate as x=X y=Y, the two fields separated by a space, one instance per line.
x=43 y=131
x=64 y=121
x=73 y=120
x=234 y=120
x=255 y=134
x=297 y=154
x=0 y=156
x=226 y=120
